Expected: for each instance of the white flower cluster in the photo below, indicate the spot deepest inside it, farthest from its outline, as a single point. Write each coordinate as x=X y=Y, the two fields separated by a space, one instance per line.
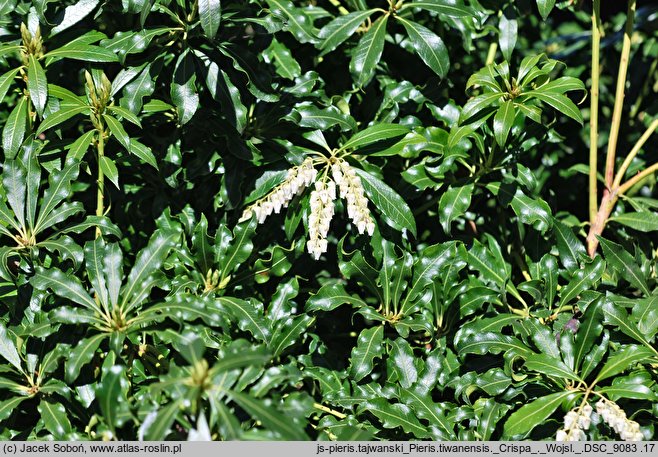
x=574 y=424
x=616 y=418
x=298 y=178
x=351 y=190
x=322 y=211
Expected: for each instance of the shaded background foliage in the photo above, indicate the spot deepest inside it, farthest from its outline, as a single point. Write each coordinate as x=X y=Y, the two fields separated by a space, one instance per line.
x=150 y=311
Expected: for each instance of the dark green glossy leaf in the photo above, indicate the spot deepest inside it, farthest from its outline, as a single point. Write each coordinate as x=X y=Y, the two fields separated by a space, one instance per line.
x=368 y=52
x=644 y=221
x=37 y=84
x=369 y=346
x=397 y=212
x=428 y=46
x=453 y=204
x=624 y=263
x=13 y=133
x=534 y=413
x=210 y=15
x=340 y=29
x=54 y=418
x=624 y=359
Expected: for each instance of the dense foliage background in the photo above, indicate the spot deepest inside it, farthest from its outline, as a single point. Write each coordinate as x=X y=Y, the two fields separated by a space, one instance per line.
x=153 y=287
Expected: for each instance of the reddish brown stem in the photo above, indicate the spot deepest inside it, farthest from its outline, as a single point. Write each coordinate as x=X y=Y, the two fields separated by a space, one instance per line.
x=607 y=204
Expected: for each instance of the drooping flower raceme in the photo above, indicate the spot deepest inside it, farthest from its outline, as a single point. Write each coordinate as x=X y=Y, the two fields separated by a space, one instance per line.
x=297 y=179
x=615 y=417
x=322 y=211
x=575 y=422
x=352 y=191
x=321 y=199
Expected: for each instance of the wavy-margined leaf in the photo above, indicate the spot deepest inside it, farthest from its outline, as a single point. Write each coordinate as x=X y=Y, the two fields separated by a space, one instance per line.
x=284 y=63
x=63 y=285
x=340 y=29
x=564 y=84
x=528 y=416
x=157 y=428
x=5 y=82
x=271 y=418
x=503 y=121
x=248 y=316
x=288 y=331
x=624 y=359
x=453 y=8
x=15 y=185
x=143 y=152
x=80 y=355
x=582 y=280
x=369 y=346
x=545 y=7
x=636 y=391
x=83 y=52
x=368 y=52
x=148 y=261
x=374 y=133
x=118 y=131
x=107 y=228
x=109 y=170
x=482 y=343
x=454 y=203
x=508 y=30
x=37 y=84
x=231 y=250
x=426 y=269
x=330 y=297
x=397 y=212
x=66 y=247
x=210 y=16
x=570 y=249
x=488 y=413
x=79 y=147
x=624 y=263
x=531 y=211
x=297 y=21
x=65 y=113
x=642 y=221
x=428 y=46
x=13 y=133
x=9 y=406
x=394 y=415
x=309 y=115
x=124 y=43
x=589 y=330
x=549 y=366
x=183 y=89
x=73 y=14
x=179 y=308
x=403 y=362
x=645 y=313
x=59 y=188
x=560 y=102
x=477 y=107
x=240 y=356
x=618 y=317
x=227 y=423
x=425 y=408
x=8 y=348
x=95 y=252
x=140 y=87
x=54 y=418
x=112 y=396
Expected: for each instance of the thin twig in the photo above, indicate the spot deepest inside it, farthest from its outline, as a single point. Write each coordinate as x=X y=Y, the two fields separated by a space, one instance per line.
x=594 y=111
x=619 y=95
